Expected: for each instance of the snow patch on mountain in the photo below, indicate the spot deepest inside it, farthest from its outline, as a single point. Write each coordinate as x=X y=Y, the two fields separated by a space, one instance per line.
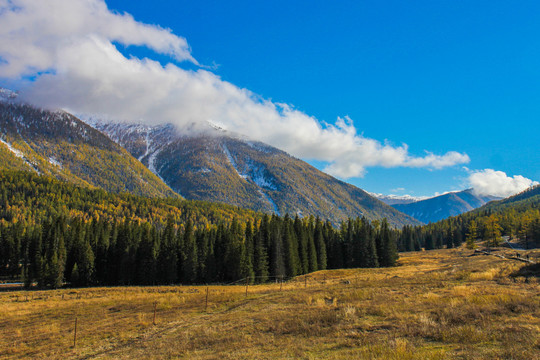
x=398 y=199
x=232 y=161
x=272 y=203
x=17 y=153
x=20 y=155
x=55 y=162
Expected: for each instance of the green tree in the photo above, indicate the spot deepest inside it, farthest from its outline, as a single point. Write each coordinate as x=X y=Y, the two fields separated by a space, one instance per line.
x=472 y=235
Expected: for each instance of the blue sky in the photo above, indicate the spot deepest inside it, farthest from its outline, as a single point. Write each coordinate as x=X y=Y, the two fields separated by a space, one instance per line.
x=438 y=76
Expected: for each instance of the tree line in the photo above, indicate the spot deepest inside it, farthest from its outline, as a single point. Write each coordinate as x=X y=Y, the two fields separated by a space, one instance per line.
x=99 y=252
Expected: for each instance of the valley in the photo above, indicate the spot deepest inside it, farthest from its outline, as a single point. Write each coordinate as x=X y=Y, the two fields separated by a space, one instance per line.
x=440 y=304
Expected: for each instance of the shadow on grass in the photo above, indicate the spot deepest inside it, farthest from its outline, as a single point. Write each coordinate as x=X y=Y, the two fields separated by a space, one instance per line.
x=532 y=270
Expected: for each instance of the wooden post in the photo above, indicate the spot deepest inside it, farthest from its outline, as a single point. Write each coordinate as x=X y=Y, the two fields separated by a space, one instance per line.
x=155 y=306
x=281 y=284
x=75 y=333
x=247 y=284
x=206 y=303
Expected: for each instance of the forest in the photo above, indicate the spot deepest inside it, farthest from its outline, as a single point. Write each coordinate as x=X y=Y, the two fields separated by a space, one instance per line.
x=54 y=234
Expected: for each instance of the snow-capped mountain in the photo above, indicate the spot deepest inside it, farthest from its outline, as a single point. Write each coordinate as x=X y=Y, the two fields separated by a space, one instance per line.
x=398 y=199
x=443 y=206
x=218 y=166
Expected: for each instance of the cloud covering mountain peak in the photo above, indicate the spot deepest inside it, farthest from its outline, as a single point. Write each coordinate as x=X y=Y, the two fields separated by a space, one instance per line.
x=64 y=54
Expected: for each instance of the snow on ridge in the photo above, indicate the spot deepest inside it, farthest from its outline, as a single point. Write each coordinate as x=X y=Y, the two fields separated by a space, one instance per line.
x=257 y=176
x=231 y=160
x=55 y=162
x=20 y=155
x=269 y=199
x=17 y=153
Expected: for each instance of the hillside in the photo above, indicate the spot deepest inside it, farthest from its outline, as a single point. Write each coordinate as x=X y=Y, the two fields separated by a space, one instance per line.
x=57 y=143
x=26 y=197
x=222 y=167
x=443 y=206
x=529 y=198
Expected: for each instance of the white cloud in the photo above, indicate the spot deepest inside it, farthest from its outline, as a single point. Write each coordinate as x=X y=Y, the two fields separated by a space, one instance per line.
x=497 y=183
x=68 y=45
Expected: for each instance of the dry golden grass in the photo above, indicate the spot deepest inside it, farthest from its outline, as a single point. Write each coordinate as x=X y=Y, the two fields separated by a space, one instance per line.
x=435 y=305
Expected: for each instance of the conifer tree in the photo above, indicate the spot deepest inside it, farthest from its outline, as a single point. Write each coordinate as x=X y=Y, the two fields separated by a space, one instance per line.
x=386 y=246
x=290 y=244
x=472 y=235
x=302 y=245
x=320 y=246
x=168 y=256
x=190 y=258
x=260 y=258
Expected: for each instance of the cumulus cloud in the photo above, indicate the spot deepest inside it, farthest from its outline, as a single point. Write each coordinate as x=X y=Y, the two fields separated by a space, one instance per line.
x=497 y=183
x=68 y=48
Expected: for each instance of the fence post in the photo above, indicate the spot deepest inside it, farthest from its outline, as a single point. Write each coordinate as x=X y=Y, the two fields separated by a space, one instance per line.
x=75 y=333
x=281 y=284
x=247 y=284
x=305 y=281
x=155 y=306
x=206 y=303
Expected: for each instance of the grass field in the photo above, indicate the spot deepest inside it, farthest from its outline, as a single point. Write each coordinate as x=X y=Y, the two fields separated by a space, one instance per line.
x=440 y=304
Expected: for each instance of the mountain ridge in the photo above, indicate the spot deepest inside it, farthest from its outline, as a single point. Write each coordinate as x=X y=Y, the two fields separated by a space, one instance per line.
x=59 y=144
x=215 y=165
x=444 y=206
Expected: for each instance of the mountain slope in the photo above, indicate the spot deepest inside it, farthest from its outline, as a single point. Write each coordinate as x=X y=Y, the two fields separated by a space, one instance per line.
x=32 y=198
x=443 y=206
x=218 y=166
x=59 y=144
x=529 y=198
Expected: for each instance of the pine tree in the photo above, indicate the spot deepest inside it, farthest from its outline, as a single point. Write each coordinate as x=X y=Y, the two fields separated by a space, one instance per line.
x=320 y=246
x=492 y=231
x=260 y=257
x=302 y=245
x=386 y=246
x=168 y=256
x=290 y=244
x=472 y=235
x=190 y=259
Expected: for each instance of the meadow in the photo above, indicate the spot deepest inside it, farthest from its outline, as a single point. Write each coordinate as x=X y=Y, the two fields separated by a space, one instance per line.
x=441 y=304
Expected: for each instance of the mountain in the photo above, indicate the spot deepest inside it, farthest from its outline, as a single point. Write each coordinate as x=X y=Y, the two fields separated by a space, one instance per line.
x=443 y=206
x=57 y=143
x=218 y=166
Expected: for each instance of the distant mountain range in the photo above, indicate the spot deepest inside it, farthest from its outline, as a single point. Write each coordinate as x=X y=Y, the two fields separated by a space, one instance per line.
x=222 y=167
x=443 y=206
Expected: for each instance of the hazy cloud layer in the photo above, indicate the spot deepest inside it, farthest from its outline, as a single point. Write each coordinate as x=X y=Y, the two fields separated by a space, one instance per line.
x=69 y=47
x=497 y=183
